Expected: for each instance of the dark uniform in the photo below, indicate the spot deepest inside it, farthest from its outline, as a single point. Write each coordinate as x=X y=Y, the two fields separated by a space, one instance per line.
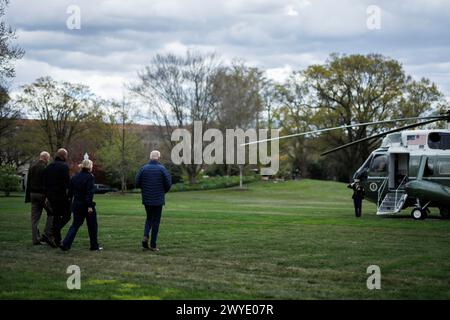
x=358 y=196
x=35 y=195
x=56 y=185
x=82 y=191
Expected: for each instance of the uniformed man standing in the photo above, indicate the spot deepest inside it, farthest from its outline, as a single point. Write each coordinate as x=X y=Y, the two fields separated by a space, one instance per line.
x=358 y=196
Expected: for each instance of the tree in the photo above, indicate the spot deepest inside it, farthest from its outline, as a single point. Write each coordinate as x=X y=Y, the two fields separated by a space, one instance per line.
x=237 y=97
x=15 y=148
x=418 y=98
x=121 y=157
x=178 y=90
x=349 y=89
x=8 y=117
x=293 y=115
x=8 y=112
x=9 y=181
x=8 y=51
x=237 y=100
x=269 y=94
x=64 y=110
x=122 y=153
x=19 y=146
x=355 y=89
x=176 y=173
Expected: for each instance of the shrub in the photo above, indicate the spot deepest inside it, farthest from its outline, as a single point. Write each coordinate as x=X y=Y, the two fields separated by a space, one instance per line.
x=9 y=180
x=209 y=183
x=175 y=172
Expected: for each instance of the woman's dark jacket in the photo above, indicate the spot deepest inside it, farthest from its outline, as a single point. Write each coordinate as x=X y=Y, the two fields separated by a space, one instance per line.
x=82 y=187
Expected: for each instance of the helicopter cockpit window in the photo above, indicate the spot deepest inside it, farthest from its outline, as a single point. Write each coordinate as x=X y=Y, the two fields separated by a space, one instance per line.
x=444 y=167
x=379 y=164
x=439 y=140
x=362 y=172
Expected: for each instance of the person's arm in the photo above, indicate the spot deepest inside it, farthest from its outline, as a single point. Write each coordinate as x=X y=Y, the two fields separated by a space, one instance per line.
x=90 y=187
x=27 y=189
x=66 y=177
x=44 y=180
x=70 y=193
x=167 y=180
x=39 y=172
x=139 y=178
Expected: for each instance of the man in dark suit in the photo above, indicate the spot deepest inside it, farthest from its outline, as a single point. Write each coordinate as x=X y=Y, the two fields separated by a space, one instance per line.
x=35 y=195
x=154 y=181
x=56 y=185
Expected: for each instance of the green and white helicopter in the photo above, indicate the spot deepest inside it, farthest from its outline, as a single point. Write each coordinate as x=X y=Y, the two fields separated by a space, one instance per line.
x=411 y=168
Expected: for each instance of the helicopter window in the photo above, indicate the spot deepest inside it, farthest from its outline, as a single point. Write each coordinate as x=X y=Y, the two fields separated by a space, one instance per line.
x=362 y=172
x=444 y=167
x=379 y=164
x=439 y=140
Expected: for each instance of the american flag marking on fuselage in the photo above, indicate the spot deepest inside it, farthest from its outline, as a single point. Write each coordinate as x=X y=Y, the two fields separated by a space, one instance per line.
x=416 y=139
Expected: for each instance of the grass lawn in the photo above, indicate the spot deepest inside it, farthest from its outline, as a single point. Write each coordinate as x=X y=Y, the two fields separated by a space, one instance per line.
x=290 y=240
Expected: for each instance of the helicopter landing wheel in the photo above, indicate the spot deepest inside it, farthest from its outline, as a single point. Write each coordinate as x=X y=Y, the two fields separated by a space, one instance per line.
x=419 y=214
x=445 y=212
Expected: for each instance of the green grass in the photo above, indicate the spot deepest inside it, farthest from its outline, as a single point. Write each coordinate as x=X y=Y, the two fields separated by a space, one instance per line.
x=291 y=240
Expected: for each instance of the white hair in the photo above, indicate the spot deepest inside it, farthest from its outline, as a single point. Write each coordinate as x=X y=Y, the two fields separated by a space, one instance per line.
x=44 y=154
x=155 y=155
x=86 y=163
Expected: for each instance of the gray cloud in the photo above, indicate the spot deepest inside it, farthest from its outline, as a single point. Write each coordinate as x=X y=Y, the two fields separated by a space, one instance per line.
x=119 y=37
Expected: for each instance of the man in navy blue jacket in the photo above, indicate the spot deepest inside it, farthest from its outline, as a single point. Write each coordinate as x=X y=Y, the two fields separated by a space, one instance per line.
x=154 y=181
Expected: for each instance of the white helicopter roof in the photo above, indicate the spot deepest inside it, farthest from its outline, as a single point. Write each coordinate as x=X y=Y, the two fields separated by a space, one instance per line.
x=412 y=141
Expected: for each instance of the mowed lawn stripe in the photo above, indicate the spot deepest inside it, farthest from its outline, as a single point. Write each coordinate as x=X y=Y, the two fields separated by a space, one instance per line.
x=292 y=240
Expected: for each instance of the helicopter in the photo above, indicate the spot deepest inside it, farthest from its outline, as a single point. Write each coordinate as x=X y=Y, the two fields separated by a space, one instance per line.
x=411 y=168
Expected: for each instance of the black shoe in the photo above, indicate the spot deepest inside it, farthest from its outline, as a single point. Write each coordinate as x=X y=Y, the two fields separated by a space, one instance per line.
x=44 y=238
x=145 y=245
x=155 y=249
x=52 y=243
x=63 y=248
x=99 y=248
x=37 y=243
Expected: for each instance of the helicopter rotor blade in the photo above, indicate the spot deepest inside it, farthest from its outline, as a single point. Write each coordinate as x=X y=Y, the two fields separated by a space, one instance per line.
x=381 y=135
x=436 y=118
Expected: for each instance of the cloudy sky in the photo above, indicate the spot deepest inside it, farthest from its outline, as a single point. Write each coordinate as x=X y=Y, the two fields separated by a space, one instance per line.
x=119 y=37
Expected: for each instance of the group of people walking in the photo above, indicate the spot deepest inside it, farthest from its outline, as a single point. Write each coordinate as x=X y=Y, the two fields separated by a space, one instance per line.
x=50 y=188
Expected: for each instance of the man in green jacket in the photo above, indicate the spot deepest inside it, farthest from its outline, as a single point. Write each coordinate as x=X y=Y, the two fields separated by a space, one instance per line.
x=35 y=195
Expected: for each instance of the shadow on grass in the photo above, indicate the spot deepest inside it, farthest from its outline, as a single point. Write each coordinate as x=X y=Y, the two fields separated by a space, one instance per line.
x=408 y=217
x=12 y=196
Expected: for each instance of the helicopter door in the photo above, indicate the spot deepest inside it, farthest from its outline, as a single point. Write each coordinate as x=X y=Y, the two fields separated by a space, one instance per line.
x=398 y=170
